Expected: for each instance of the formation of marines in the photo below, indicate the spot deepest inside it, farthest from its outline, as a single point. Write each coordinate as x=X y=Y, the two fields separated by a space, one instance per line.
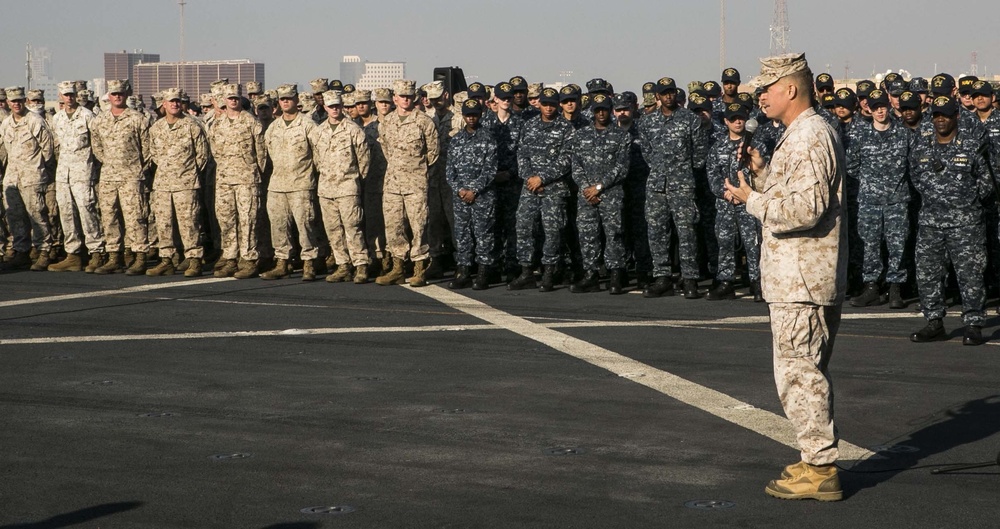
x=497 y=182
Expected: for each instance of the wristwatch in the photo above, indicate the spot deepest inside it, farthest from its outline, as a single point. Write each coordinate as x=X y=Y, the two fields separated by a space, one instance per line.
x=599 y=188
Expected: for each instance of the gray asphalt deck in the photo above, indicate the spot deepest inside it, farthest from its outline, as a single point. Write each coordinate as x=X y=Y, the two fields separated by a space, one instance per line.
x=441 y=420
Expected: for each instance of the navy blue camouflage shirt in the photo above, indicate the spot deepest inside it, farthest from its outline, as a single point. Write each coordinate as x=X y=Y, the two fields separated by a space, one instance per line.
x=542 y=152
x=952 y=180
x=674 y=147
x=472 y=161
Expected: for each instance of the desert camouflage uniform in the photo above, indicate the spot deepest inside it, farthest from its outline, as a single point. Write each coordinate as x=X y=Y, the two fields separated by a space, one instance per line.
x=121 y=144
x=342 y=159
x=240 y=157
x=28 y=150
x=180 y=152
x=472 y=165
x=804 y=274
x=292 y=190
x=600 y=157
x=75 y=182
x=411 y=146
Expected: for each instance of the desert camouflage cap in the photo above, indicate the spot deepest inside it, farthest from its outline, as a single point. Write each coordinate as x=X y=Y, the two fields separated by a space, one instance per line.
x=80 y=85
x=172 y=94
x=534 y=90
x=14 y=93
x=404 y=87
x=648 y=99
x=362 y=96
x=117 y=86
x=320 y=85
x=254 y=88
x=157 y=99
x=434 y=89
x=460 y=98
x=232 y=90
x=382 y=94
x=220 y=82
x=83 y=96
x=3 y=95
x=348 y=99
x=778 y=66
x=287 y=90
x=66 y=87
x=36 y=94
x=332 y=98
x=307 y=102
x=262 y=101
x=205 y=100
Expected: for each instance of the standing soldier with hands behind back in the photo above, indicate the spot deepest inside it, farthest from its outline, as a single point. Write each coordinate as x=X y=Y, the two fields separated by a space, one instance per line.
x=237 y=140
x=798 y=200
x=410 y=143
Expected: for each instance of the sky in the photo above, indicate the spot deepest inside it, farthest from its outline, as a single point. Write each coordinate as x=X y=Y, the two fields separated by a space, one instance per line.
x=626 y=42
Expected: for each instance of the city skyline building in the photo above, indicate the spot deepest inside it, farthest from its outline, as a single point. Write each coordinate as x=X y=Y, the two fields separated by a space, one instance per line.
x=194 y=77
x=121 y=65
x=370 y=75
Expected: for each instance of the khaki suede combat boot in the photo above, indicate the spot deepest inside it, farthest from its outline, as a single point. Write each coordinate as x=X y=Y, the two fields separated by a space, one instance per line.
x=72 y=263
x=393 y=276
x=96 y=260
x=343 y=273
x=361 y=275
x=419 y=271
x=309 y=270
x=280 y=270
x=194 y=267
x=165 y=268
x=138 y=265
x=113 y=265
x=807 y=482
x=247 y=270
x=42 y=263
x=228 y=268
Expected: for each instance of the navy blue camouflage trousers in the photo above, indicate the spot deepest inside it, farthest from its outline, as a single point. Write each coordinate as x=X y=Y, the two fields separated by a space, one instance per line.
x=591 y=222
x=551 y=209
x=473 y=230
x=889 y=223
x=664 y=212
x=732 y=225
x=966 y=247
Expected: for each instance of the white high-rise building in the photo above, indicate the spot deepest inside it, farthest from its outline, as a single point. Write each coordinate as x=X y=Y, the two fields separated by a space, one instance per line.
x=370 y=75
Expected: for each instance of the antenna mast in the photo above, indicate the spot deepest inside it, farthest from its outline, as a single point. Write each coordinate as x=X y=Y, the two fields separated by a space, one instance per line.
x=779 y=28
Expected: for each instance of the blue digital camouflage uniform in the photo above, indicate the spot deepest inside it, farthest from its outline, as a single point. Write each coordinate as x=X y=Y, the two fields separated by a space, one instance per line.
x=472 y=165
x=572 y=256
x=600 y=157
x=766 y=137
x=541 y=152
x=879 y=160
x=992 y=218
x=732 y=222
x=506 y=136
x=952 y=180
x=636 y=232
x=372 y=184
x=674 y=146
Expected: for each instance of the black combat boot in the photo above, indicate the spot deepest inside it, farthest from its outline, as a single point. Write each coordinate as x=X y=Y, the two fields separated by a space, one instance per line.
x=724 y=290
x=691 y=289
x=870 y=296
x=548 y=279
x=483 y=278
x=642 y=280
x=591 y=282
x=896 y=296
x=616 y=285
x=933 y=332
x=758 y=294
x=525 y=280
x=462 y=279
x=973 y=335
x=662 y=286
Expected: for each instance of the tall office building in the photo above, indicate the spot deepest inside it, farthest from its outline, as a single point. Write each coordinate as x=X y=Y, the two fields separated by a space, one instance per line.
x=370 y=75
x=194 y=77
x=120 y=65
